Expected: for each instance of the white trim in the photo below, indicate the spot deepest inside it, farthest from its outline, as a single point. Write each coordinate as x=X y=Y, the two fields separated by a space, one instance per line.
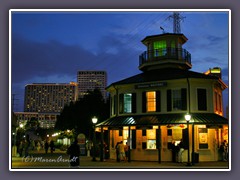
x=117 y=10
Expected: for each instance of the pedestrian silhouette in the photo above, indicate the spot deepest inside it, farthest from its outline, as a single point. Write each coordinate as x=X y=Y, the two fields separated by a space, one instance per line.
x=26 y=145
x=121 y=151
x=174 y=150
x=74 y=154
x=180 y=152
x=52 y=148
x=126 y=150
x=46 y=146
x=117 y=152
x=21 y=148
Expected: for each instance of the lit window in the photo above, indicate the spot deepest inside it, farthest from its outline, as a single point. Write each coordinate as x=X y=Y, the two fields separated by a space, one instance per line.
x=127 y=103
x=125 y=136
x=151 y=101
x=159 y=48
x=220 y=102
x=151 y=139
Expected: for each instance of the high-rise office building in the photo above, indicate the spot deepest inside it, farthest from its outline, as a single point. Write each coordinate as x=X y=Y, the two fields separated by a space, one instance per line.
x=90 y=80
x=49 y=97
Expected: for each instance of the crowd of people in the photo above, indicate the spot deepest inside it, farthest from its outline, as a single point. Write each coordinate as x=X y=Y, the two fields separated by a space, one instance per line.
x=121 y=150
x=25 y=145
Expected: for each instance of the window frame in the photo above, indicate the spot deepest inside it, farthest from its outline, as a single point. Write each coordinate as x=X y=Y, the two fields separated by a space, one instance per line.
x=203 y=131
x=132 y=103
x=182 y=100
x=127 y=103
x=160 y=49
x=153 y=139
x=150 y=100
x=198 y=98
x=178 y=99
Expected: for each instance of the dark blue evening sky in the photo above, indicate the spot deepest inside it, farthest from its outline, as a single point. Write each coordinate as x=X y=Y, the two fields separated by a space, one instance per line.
x=53 y=46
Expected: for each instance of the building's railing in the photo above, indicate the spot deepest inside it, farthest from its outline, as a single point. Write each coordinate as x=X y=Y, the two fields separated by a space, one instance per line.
x=178 y=54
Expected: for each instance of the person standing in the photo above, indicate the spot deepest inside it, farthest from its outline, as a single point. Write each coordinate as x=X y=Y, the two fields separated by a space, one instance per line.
x=223 y=151
x=46 y=146
x=32 y=144
x=117 y=152
x=52 y=146
x=38 y=146
x=74 y=154
x=20 y=148
x=121 y=151
x=180 y=153
x=104 y=151
x=174 y=150
x=126 y=150
x=226 y=151
x=26 y=146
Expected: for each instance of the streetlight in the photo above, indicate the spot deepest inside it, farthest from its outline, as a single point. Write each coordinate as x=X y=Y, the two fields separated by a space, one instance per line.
x=187 y=118
x=94 y=121
x=21 y=125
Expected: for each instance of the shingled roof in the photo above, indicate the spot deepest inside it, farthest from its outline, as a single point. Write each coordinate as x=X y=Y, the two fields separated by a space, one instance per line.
x=163 y=74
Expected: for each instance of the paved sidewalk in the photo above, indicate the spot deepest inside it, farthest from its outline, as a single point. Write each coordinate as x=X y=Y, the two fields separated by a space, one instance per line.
x=59 y=160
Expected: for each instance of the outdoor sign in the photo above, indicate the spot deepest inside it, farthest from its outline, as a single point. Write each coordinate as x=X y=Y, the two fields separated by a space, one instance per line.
x=82 y=143
x=151 y=85
x=203 y=138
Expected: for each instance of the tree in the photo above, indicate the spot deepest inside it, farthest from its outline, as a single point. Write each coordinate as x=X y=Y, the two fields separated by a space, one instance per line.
x=78 y=116
x=32 y=123
x=14 y=122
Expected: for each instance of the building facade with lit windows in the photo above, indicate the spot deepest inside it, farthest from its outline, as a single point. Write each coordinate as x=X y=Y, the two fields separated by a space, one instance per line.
x=49 y=97
x=90 y=80
x=148 y=110
x=45 y=101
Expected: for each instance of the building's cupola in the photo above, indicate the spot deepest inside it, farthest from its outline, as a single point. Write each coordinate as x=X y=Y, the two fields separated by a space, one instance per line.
x=165 y=50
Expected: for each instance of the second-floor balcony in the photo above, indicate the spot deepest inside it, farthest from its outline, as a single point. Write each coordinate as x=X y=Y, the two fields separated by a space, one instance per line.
x=165 y=55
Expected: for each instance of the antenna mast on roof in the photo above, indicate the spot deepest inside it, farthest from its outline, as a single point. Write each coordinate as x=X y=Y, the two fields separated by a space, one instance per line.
x=176 y=22
x=163 y=31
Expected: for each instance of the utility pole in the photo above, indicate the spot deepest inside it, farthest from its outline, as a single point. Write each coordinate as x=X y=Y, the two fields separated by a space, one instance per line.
x=13 y=102
x=177 y=18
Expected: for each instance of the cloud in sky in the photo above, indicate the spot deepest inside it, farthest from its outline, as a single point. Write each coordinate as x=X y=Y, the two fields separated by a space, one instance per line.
x=52 y=47
x=33 y=59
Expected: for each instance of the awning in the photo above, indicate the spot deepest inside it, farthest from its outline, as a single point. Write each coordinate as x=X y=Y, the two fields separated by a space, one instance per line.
x=164 y=119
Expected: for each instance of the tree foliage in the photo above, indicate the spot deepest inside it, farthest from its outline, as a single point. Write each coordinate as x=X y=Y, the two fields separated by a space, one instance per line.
x=14 y=122
x=78 y=115
x=33 y=123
